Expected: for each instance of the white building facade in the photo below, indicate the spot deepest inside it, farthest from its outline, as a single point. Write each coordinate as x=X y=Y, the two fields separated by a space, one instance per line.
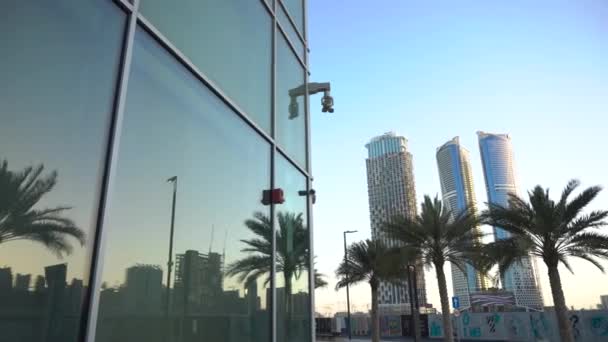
x=391 y=191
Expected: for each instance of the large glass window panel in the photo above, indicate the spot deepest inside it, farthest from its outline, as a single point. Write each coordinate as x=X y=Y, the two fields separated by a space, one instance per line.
x=59 y=65
x=293 y=255
x=184 y=154
x=296 y=10
x=290 y=96
x=230 y=41
x=291 y=32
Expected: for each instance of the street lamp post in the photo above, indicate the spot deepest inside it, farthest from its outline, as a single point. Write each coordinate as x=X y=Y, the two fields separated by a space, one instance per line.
x=170 y=262
x=347 y=290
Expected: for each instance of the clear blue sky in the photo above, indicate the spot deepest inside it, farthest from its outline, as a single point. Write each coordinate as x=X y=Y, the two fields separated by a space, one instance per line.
x=431 y=70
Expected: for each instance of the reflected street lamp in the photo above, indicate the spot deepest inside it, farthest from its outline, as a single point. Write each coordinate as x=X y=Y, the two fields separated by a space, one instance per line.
x=170 y=262
x=347 y=291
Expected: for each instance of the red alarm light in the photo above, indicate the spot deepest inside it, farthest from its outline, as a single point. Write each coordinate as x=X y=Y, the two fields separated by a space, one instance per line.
x=274 y=196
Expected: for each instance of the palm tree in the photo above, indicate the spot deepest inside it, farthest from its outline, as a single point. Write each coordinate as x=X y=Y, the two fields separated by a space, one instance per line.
x=292 y=251
x=552 y=231
x=19 y=193
x=371 y=261
x=440 y=237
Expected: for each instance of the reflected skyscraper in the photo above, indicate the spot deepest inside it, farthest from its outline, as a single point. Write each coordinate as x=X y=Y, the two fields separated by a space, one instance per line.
x=143 y=289
x=22 y=282
x=391 y=191
x=6 y=279
x=499 y=173
x=198 y=280
x=458 y=194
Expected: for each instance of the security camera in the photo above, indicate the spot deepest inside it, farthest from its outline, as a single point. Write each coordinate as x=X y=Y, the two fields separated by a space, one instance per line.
x=327 y=102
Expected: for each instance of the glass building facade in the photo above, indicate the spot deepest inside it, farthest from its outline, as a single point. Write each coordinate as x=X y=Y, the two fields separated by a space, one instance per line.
x=154 y=181
x=458 y=194
x=499 y=173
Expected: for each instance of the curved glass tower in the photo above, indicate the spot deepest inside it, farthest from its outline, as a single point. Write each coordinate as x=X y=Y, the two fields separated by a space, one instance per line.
x=456 y=180
x=497 y=160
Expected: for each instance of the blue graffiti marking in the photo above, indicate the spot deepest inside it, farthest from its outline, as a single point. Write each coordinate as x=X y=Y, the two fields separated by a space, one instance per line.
x=435 y=329
x=599 y=326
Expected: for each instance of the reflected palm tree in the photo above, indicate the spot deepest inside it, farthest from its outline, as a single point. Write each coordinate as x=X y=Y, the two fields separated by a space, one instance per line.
x=292 y=252
x=320 y=281
x=19 y=193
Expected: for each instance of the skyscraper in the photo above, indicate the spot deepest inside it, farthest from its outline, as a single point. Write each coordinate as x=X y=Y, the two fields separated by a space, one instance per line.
x=458 y=195
x=497 y=160
x=391 y=191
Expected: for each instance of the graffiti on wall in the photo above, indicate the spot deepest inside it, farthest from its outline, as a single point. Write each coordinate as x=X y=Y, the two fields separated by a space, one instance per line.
x=587 y=326
x=390 y=325
x=599 y=325
x=516 y=327
x=540 y=327
x=491 y=321
x=574 y=320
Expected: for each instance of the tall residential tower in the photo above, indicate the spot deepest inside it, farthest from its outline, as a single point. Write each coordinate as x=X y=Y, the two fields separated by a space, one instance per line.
x=458 y=195
x=390 y=184
x=497 y=160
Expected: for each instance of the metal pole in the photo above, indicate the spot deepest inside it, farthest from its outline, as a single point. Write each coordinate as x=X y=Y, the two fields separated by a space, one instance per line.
x=347 y=292
x=170 y=262
x=411 y=292
x=416 y=304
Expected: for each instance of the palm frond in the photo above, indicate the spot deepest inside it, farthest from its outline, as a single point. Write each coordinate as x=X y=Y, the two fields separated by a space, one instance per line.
x=371 y=261
x=20 y=192
x=575 y=207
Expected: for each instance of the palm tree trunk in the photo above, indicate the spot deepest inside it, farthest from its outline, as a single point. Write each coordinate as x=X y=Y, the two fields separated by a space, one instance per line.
x=416 y=319
x=414 y=305
x=375 y=317
x=448 y=334
x=561 y=310
x=288 y=305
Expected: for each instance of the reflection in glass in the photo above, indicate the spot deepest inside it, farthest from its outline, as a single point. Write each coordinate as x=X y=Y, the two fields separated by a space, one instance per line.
x=218 y=167
x=296 y=10
x=54 y=117
x=293 y=256
x=230 y=41
x=290 y=31
x=290 y=117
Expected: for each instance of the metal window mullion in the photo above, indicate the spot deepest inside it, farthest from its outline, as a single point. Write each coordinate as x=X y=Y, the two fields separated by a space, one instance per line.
x=311 y=272
x=293 y=23
x=273 y=120
x=268 y=7
x=273 y=270
x=293 y=162
x=95 y=278
x=125 y=5
x=292 y=46
x=309 y=180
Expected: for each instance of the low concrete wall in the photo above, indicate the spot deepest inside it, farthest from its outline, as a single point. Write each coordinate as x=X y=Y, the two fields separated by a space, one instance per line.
x=587 y=326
